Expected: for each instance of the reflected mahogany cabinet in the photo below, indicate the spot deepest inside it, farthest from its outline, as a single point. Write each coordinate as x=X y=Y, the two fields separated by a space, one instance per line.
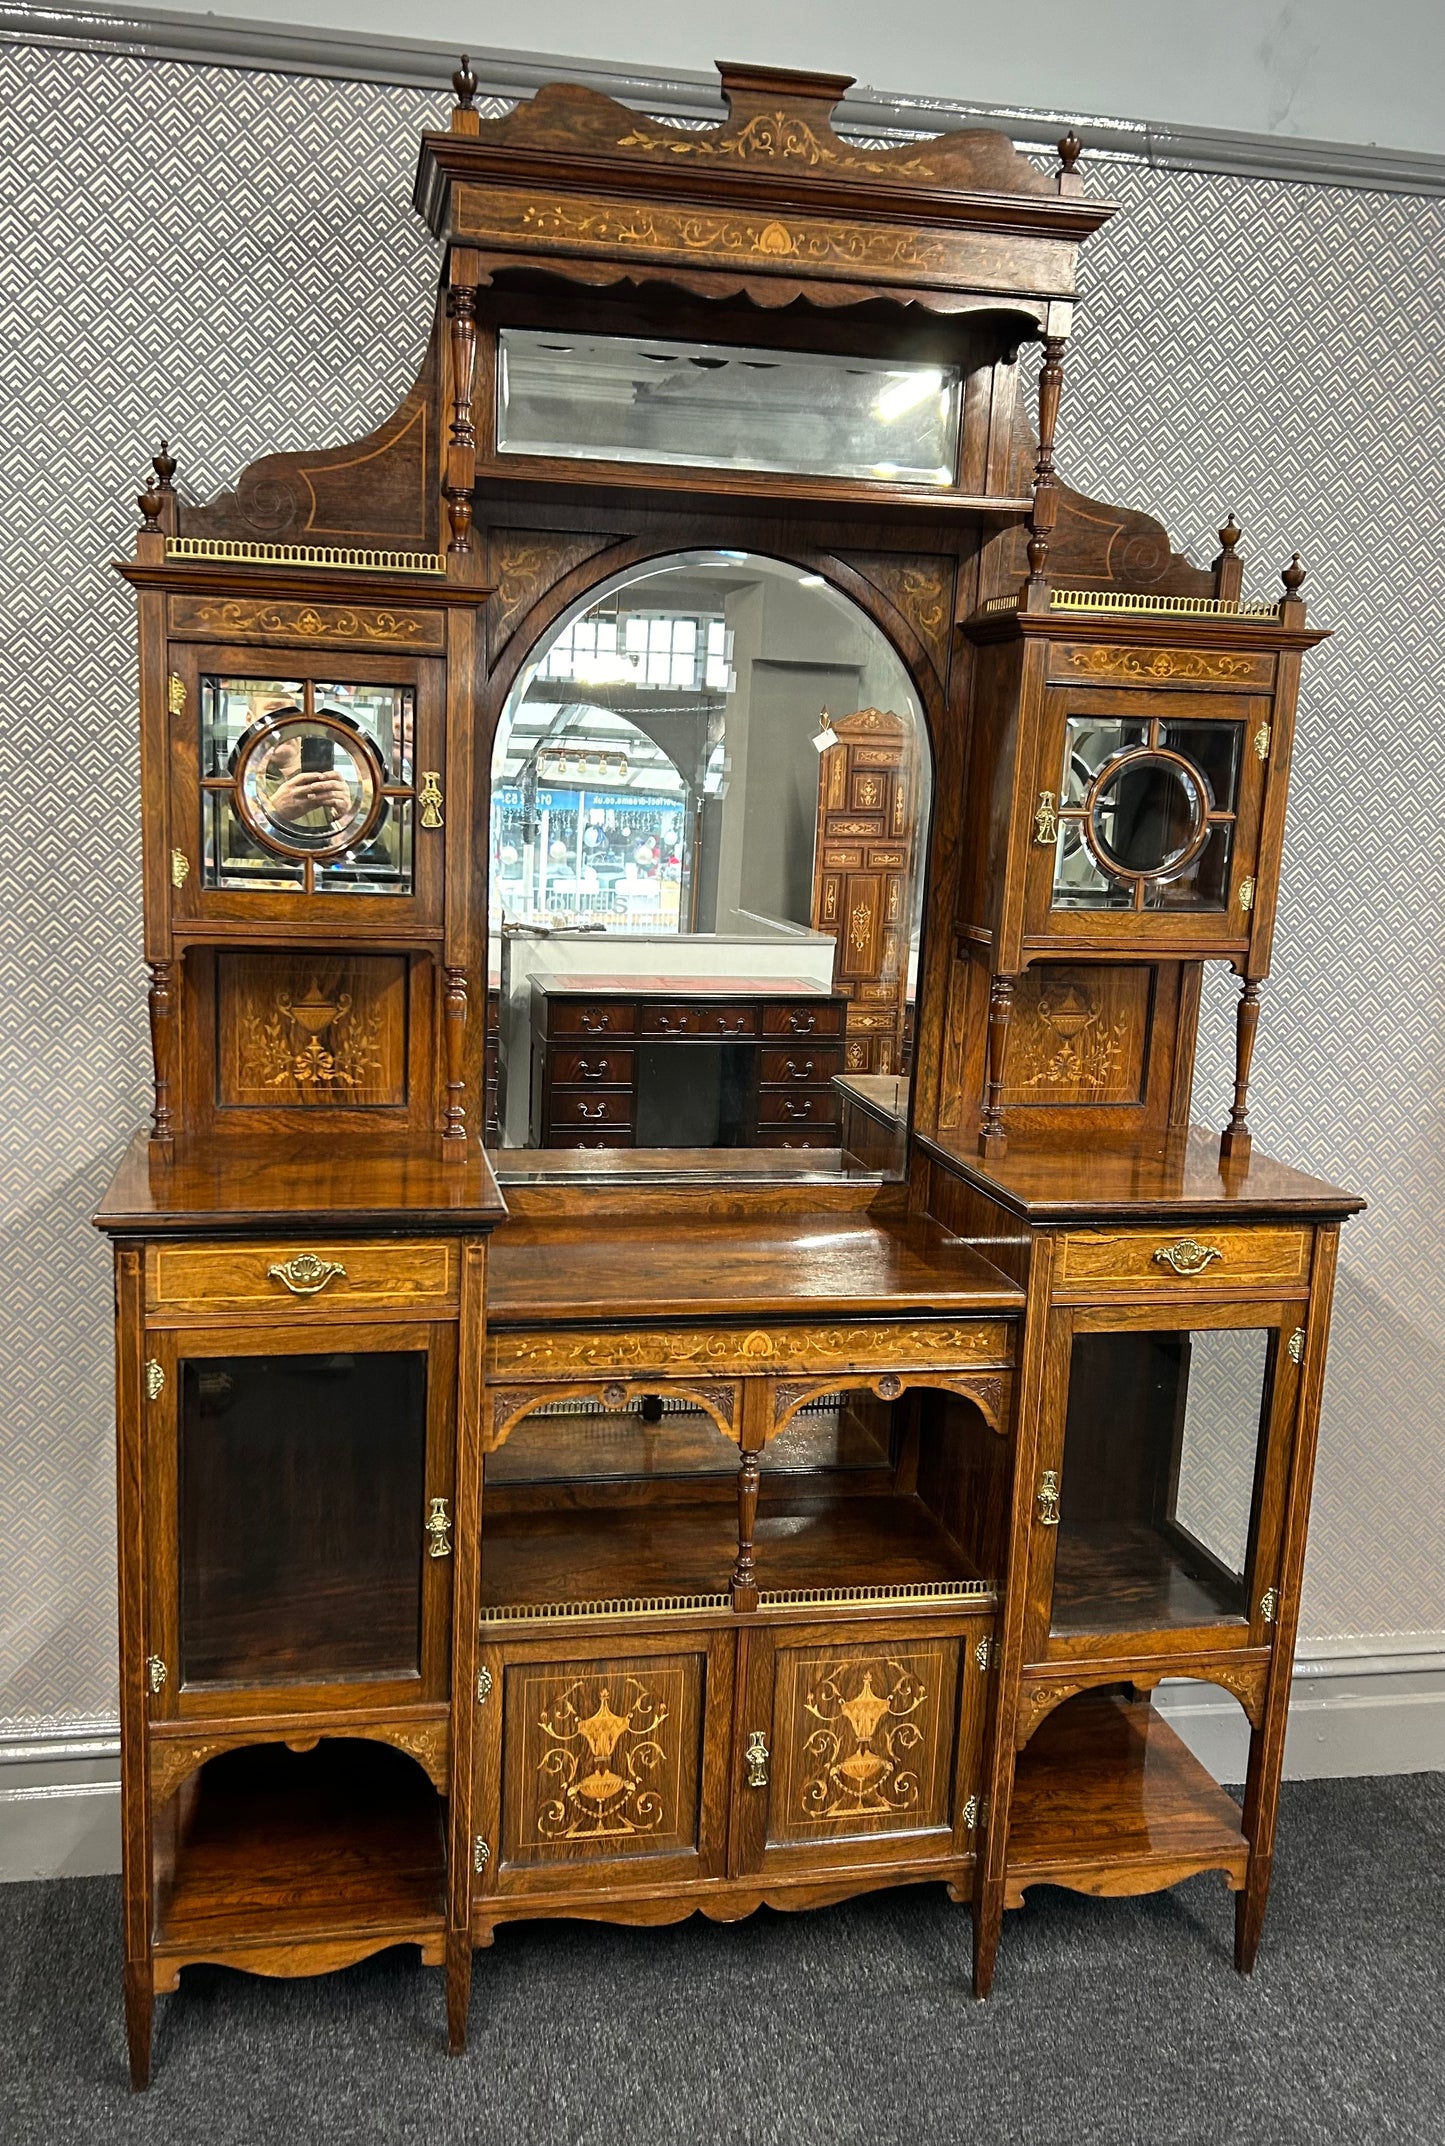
x=677 y=1347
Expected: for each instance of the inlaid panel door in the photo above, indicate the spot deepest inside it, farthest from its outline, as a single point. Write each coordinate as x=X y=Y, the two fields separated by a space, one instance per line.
x=602 y=1766
x=1164 y=1458
x=858 y=1743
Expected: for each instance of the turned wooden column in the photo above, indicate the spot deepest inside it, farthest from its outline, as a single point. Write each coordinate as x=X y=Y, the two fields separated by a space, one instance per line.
x=454 y=1125
x=992 y=1139
x=1235 y=1141
x=162 y=1009
x=462 y=449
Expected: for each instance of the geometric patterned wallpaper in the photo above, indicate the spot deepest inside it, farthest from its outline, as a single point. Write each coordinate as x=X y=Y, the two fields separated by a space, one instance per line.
x=1242 y=344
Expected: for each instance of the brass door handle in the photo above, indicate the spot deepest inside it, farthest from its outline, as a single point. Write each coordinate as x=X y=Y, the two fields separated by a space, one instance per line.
x=439 y=1528
x=304 y=1274
x=1046 y=1499
x=1046 y=820
x=757 y=1758
x=1187 y=1256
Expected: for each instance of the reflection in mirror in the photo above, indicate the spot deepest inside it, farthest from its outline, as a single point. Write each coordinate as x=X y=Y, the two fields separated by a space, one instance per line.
x=1146 y=814
x=306 y=786
x=710 y=787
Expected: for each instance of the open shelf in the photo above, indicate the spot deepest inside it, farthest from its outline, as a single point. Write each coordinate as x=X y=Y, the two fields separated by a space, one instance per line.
x=1117 y=1577
x=580 y=1441
x=1108 y=1800
x=685 y=1544
x=265 y=1844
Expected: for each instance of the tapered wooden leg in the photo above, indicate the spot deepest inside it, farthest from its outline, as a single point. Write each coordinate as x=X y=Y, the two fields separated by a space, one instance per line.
x=987 y=1927
x=1249 y=1907
x=1235 y=1141
x=459 y=1988
x=139 y=2004
x=992 y=1140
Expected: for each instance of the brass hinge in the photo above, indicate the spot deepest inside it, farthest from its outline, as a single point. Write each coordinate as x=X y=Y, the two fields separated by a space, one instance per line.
x=1246 y=895
x=981 y=1653
x=484 y=1686
x=439 y=1528
x=1046 y=820
x=1296 y=1345
x=1261 y=741
x=429 y=797
x=481 y=1855
x=155 y=1379
x=155 y=1672
x=180 y=867
x=176 y=694
x=1268 y=1605
x=1046 y=1499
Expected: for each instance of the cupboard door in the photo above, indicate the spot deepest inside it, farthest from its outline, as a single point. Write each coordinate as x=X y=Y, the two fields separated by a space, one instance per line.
x=1146 y=818
x=603 y=1765
x=299 y=1532
x=858 y=1745
x=1163 y=1462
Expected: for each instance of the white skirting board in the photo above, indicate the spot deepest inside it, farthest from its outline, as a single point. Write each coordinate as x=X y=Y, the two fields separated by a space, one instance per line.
x=1360 y=1706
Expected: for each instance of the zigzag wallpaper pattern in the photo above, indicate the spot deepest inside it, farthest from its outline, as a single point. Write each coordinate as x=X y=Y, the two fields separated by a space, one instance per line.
x=233 y=258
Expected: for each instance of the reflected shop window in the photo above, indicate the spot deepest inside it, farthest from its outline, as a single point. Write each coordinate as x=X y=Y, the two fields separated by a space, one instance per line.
x=710 y=792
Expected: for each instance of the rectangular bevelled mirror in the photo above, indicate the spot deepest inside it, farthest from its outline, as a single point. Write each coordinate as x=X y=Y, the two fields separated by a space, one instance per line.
x=710 y=797
x=623 y=398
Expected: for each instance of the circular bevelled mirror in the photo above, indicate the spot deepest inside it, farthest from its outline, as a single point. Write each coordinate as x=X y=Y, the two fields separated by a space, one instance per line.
x=308 y=785
x=1146 y=814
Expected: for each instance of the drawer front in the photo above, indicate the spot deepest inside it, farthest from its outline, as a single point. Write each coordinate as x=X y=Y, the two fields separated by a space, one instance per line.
x=1097 y=663
x=334 y=1276
x=799 y=1069
x=592 y=1017
x=858 y=1345
x=811 y=1106
x=662 y=1019
x=589 y=1106
x=592 y=1069
x=1183 y=1260
x=798 y=1136
x=803 y=1020
x=588 y=1140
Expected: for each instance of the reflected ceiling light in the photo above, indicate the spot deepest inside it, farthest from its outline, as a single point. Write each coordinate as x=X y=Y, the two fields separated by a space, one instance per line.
x=906 y=390
x=605 y=669
x=811 y=581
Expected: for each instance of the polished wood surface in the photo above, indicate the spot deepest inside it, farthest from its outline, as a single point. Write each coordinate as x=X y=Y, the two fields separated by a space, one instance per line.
x=216 y=1188
x=792 y=1266
x=1108 y=1800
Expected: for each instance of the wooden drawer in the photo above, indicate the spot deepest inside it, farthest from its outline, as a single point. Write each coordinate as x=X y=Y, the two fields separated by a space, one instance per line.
x=589 y=1106
x=1185 y=1260
x=1099 y=663
x=799 y=1068
x=589 y=1140
x=798 y=1136
x=593 y=1069
x=810 y=1106
x=416 y=1276
x=825 y=1019
x=665 y=1019
x=591 y=1017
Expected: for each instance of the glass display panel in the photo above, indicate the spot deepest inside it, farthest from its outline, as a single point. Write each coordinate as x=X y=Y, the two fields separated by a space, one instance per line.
x=620 y=398
x=1162 y=1438
x=694 y=1095
x=301 y=1493
x=1146 y=814
x=307 y=787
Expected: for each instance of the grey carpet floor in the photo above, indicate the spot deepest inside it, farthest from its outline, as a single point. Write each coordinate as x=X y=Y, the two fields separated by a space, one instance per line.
x=1112 y=2023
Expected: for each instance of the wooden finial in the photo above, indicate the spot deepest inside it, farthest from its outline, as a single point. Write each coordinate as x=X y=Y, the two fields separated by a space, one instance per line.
x=464 y=82
x=1229 y=567
x=1070 y=150
x=1230 y=534
x=164 y=465
x=1292 y=576
x=150 y=502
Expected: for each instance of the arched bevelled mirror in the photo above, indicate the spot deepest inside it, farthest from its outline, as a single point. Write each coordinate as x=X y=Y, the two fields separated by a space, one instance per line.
x=710 y=790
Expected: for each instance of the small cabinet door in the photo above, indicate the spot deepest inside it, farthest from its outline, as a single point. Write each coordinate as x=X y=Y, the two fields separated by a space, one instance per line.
x=1146 y=818
x=1162 y=1468
x=299 y=1517
x=602 y=1767
x=858 y=1745
x=308 y=787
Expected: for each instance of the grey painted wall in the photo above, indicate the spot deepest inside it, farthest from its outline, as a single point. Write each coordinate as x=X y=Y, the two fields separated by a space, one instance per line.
x=234 y=256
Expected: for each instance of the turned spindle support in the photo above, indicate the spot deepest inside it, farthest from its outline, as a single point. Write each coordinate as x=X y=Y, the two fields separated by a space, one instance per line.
x=454 y=1005
x=1234 y=1141
x=160 y=1004
x=745 y=1578
x=462 y=449
x=1046 y=485
x=992 y=1139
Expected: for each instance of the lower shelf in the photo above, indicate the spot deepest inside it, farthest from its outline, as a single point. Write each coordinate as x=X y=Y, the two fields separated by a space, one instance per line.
x=1120 y=1578
x=268 y=1847
x=1107 y=1800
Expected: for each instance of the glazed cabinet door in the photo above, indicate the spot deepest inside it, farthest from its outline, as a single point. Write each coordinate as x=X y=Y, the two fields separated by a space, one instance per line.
x=307 y=787
x=858 y=1744
x=299 y=1517
x=602 y=1766
x=1146 y=818
x=1164 y=1458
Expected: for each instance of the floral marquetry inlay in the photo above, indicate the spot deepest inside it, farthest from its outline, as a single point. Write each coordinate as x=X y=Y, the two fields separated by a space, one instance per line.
x=601 y=1766
x=863 y=1739
x=776 y=137
x=865 y=1742
x=1151 y=663
x=233 y=619
x=602 y=1757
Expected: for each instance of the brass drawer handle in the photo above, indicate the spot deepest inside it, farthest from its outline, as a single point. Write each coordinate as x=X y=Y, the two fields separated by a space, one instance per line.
x=592 y=1110
x=595 y=1024
x=1046 y=1499
x=757 y=1757
x=304 y=1274
x=587 y=1071
x=1188 y=1256
x=798 y=1110
x=802 y=1024
x=799 y=1072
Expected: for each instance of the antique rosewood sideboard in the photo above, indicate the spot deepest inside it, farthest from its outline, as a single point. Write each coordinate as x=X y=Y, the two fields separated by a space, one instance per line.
x=771 y=1478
